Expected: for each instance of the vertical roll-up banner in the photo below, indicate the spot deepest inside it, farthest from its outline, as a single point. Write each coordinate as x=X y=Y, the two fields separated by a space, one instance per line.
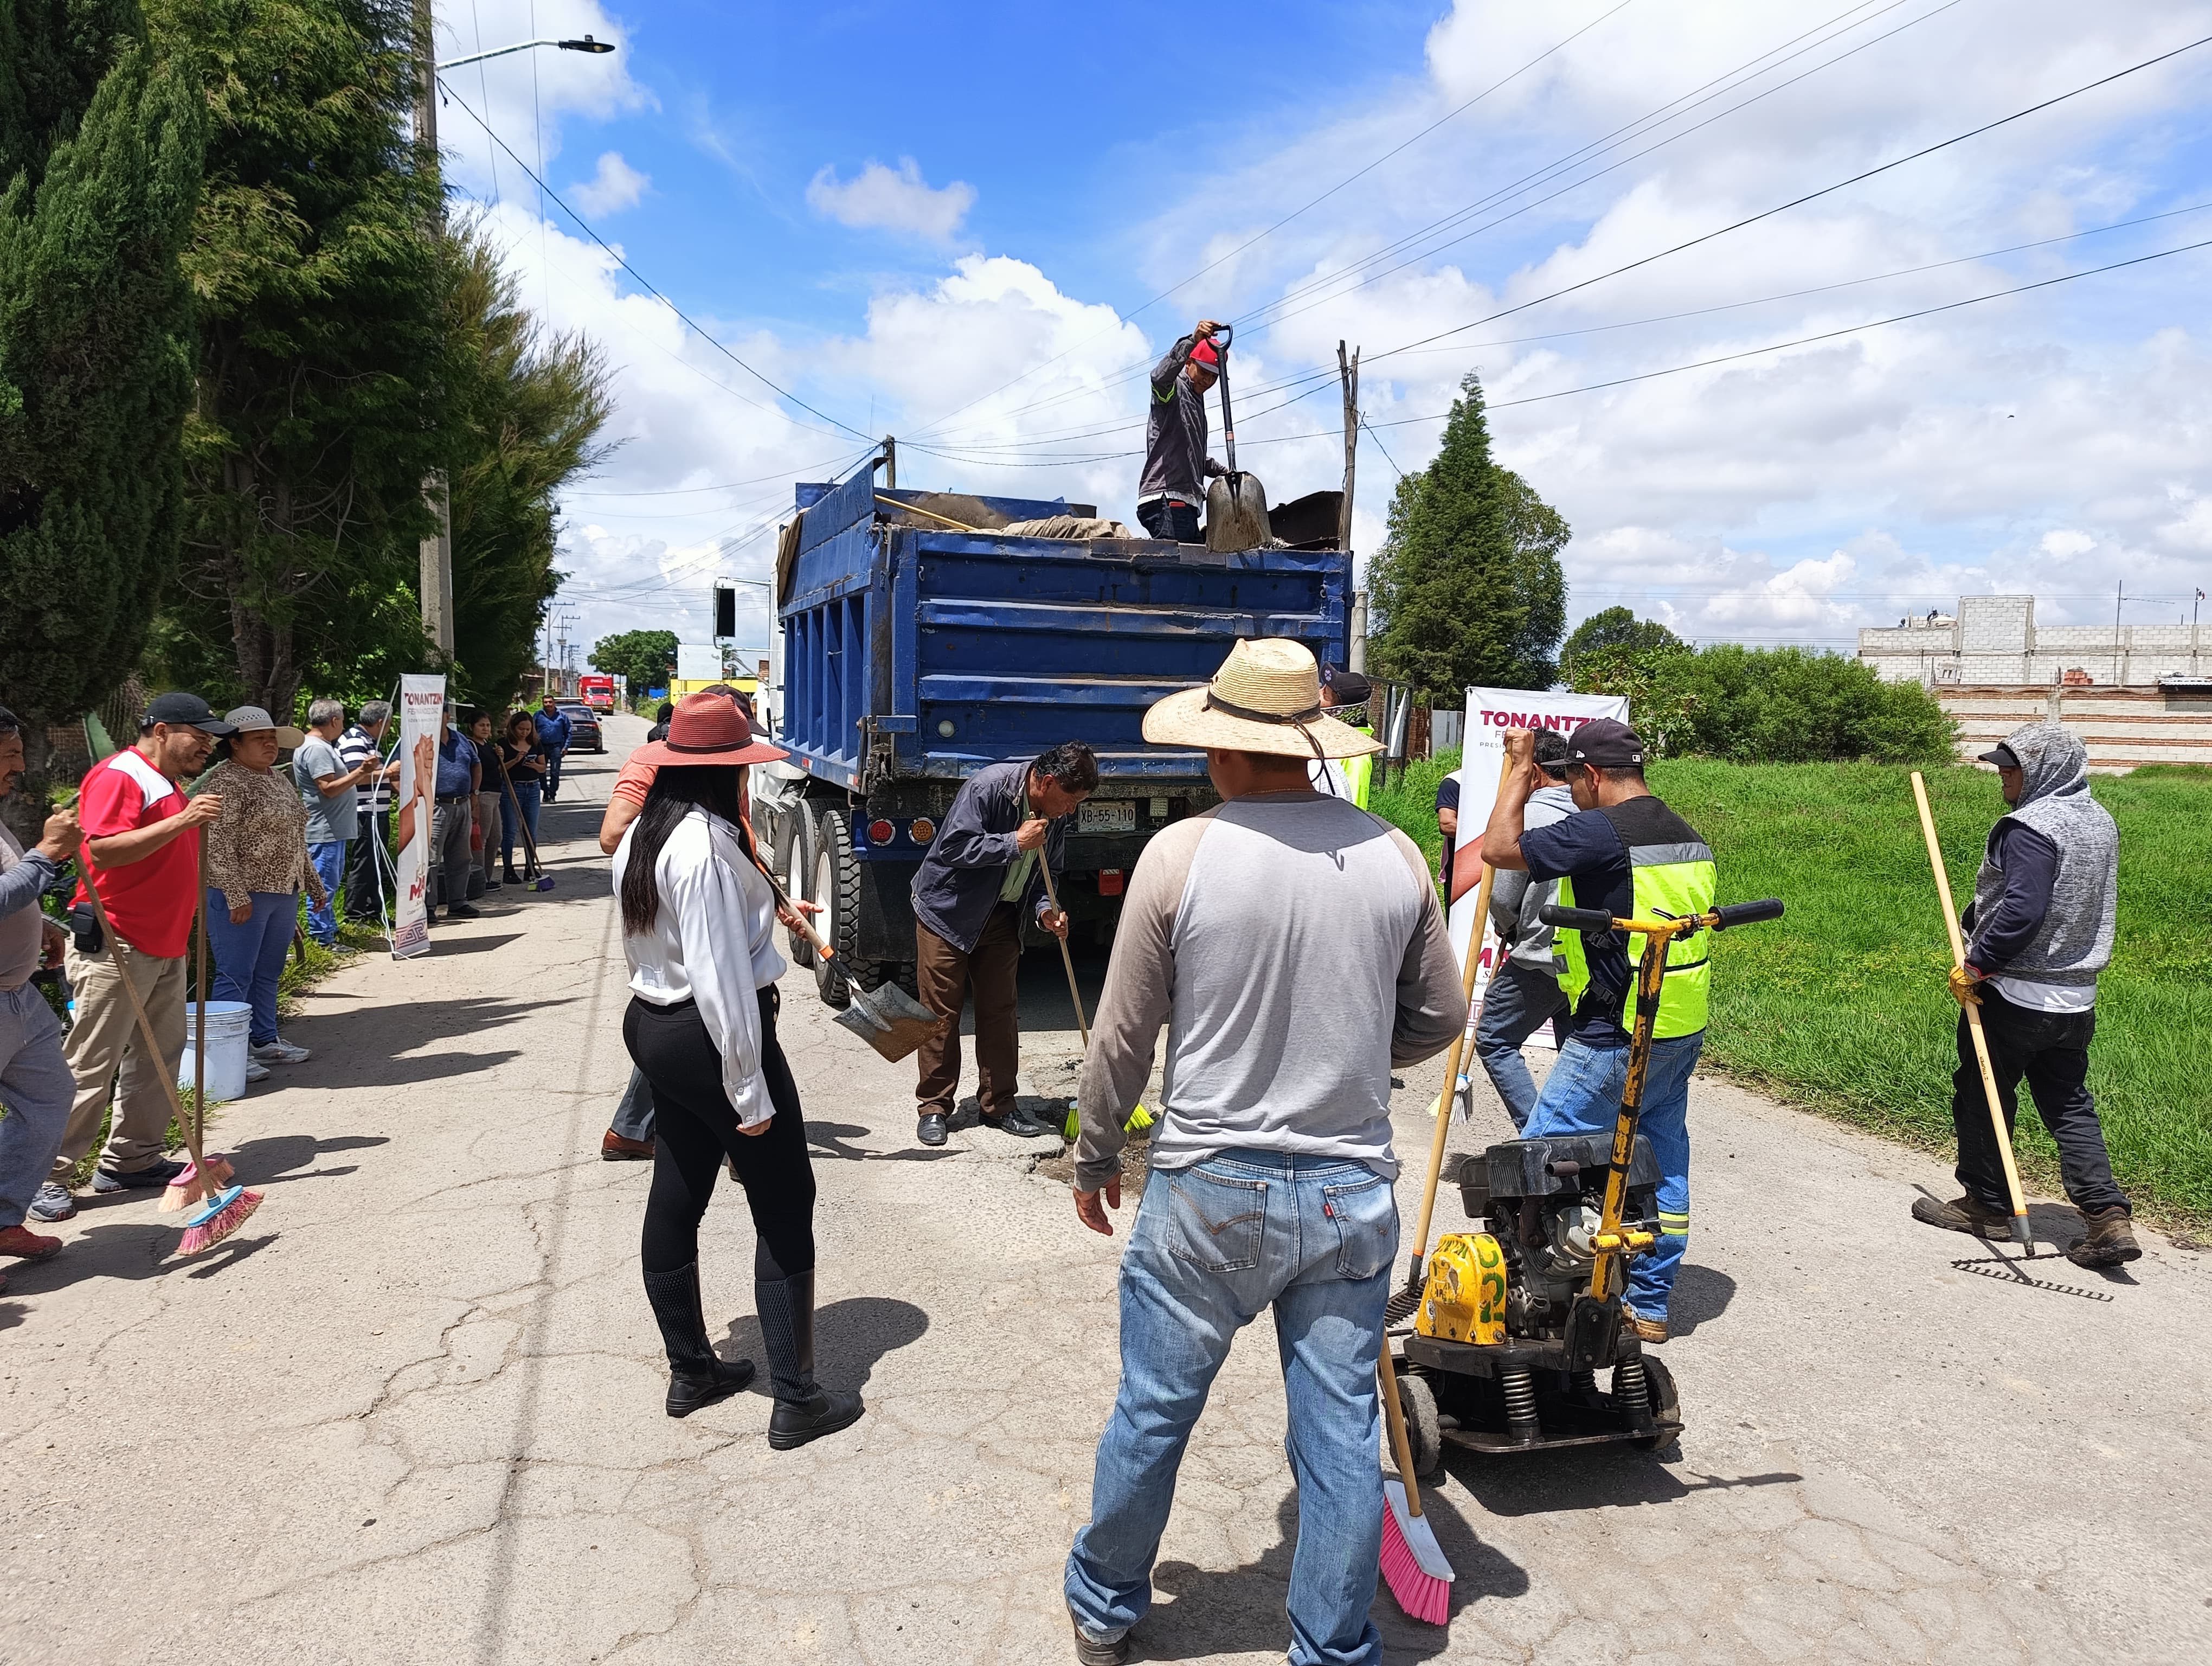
x=422 y=720
x=1490 y=714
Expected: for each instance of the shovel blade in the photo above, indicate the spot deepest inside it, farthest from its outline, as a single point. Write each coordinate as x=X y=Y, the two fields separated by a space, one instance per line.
x=1236 y=513
x=889 y=1020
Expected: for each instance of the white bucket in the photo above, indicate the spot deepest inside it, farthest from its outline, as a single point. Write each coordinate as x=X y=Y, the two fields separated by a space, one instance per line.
x=227 y=1022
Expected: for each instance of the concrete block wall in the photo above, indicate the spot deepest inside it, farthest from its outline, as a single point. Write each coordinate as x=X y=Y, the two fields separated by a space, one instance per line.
x=2123 y=728
x=1994 y=641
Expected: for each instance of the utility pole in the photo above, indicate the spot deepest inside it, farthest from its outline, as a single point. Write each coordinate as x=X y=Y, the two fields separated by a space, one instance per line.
x=436 y=584
x=1348 y=373
x=2118 y=600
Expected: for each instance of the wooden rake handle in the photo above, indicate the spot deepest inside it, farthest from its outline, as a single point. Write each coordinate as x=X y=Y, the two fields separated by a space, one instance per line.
x=1393 y=1415
x=2020 y=1229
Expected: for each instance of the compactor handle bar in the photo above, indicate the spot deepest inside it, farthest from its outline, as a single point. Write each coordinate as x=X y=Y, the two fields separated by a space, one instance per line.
x=1597 y=920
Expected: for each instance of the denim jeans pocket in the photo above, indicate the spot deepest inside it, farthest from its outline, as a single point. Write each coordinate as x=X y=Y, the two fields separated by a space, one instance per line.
x=1366 y=1216
x=1214 y=1222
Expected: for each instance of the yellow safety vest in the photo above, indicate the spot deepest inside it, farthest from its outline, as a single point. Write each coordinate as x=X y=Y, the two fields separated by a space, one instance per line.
x=1359 y=775
x=1677 y=880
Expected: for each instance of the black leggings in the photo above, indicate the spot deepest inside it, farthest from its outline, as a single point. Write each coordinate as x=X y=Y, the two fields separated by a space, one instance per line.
x=697 y=1129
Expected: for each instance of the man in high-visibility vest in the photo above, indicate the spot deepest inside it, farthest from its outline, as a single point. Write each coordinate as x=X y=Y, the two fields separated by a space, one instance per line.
x=1344 y=697
x=1625 y=852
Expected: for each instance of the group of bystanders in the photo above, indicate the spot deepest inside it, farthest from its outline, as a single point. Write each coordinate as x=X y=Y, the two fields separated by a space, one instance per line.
x=201 y=806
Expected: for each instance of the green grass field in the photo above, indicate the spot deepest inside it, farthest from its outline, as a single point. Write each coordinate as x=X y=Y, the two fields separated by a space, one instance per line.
x=1840 y=1005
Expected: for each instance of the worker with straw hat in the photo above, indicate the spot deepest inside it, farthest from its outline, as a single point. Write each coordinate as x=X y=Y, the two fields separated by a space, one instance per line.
x=1294 y=948
x=2045 y=914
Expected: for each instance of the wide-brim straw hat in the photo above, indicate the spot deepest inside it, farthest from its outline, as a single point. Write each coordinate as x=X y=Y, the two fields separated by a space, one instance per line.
x=708 y=729
x=252 y=720
x=1265 y=698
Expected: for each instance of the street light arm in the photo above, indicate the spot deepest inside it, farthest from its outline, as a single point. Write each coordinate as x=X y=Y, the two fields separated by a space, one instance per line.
x=586 y=44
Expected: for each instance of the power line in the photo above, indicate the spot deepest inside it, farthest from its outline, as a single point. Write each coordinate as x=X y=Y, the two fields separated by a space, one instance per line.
x=622 y=261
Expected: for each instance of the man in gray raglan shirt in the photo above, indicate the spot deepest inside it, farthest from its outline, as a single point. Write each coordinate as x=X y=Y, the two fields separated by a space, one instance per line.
x=1294 y=948
x=2041 y=926
x=1172 y=488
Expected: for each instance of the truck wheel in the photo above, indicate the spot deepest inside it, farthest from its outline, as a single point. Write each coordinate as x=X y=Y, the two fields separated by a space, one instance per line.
x=833 y=850
x=793 y=863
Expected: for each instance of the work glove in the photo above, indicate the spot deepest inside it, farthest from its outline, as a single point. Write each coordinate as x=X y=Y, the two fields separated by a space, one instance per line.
x=1962 y=983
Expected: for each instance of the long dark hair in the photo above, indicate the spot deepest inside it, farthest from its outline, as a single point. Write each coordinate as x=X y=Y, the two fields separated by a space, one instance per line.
x=676 y=790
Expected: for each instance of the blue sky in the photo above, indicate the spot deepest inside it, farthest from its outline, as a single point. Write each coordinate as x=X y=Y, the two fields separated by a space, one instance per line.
x=893 y=211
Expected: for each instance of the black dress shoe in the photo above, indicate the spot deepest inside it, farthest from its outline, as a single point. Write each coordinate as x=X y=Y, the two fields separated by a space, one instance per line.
x=1019 y=1124
x=930 y=1130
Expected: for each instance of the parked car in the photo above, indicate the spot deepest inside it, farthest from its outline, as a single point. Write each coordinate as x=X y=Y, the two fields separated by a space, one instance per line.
x=585 y=734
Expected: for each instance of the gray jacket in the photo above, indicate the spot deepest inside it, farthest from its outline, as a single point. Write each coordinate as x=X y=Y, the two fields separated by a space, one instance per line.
x=2072 y=941
x=1176 y=462
x=1515 y=902
x=960 y=879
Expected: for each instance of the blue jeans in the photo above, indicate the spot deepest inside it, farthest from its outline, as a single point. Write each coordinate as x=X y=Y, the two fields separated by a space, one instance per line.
x=250 y=958
x=552 y=783
x=1582 y=1096
x=1211 y=1245
x=329 y=858
x=634 y=1116
x=37 y=1087
x=1517 y=1003
x=526 y=793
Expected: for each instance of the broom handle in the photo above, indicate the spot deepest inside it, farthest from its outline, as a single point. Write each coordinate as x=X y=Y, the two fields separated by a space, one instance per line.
x=1974 y=1013
x=199 y=998
x=1066 y=959
x=1445 y=1099
x=138 y=1008
x=1401 y=1450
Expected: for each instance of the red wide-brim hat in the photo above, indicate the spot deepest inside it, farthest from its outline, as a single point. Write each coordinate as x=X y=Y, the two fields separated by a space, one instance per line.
x=708 y=729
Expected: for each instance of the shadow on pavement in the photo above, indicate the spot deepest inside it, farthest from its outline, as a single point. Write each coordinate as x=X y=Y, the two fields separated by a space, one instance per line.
x=849 y=1337
x=1584 y=1478
x=1700 y=1293
x=832 y=1140
x=1218 y=1612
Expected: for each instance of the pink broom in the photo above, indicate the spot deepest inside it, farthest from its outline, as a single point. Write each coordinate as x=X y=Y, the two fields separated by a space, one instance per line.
x=1413 y=1564
x=226 y=1211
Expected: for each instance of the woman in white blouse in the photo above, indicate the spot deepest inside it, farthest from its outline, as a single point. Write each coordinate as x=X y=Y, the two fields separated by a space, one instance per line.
x=699 y=932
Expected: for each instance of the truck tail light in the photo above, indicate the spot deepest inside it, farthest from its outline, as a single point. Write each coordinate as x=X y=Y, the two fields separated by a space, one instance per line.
x=1110 y=882
x=923 y=830
x=881 y=832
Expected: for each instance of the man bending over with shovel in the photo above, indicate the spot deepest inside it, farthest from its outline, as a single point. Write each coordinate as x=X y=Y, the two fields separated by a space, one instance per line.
x=1294 y=948
x=978 y=884
x=2040 y=929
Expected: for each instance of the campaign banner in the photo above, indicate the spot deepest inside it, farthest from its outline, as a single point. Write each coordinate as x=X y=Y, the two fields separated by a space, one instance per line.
x=1490 y=714
x=422 y=720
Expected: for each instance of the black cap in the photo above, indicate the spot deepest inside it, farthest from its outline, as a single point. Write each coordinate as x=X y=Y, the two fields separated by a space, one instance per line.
x=187 y=710
x=1606 y=744
x=2002 y=756
x=1348 y=688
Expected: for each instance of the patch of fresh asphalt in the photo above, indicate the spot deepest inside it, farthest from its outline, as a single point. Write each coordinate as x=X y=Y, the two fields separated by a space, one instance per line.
x=412 y=1412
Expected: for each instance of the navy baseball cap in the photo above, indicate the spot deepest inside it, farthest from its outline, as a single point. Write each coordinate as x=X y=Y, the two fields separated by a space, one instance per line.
x=187 y=711
x=1606 y=745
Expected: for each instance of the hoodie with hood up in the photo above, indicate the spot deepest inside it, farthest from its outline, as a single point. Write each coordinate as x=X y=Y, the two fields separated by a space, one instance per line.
x=2046 y=899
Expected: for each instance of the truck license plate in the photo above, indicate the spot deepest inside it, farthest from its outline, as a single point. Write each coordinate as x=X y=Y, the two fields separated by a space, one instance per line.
x=1107 y=816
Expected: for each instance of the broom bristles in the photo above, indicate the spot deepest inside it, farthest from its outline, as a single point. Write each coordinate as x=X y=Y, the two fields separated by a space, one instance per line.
x=222 y=1215
x=194 y=1186
x=1413 y=1564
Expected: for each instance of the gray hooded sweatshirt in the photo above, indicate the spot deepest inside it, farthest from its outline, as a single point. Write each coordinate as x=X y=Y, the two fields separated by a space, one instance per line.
x=2046 y=900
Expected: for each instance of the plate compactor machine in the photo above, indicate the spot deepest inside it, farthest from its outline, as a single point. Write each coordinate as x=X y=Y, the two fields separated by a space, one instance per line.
x=1515 y=1322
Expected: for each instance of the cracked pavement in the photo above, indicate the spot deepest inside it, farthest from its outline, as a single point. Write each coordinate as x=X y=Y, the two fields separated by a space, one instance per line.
x=412 y=1412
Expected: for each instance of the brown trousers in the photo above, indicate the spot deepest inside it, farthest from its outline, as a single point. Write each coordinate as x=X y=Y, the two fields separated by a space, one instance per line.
x=946 y=978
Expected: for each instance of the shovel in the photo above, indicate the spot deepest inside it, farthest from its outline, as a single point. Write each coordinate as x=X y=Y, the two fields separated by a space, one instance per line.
x=887 y=1019
x=1236 y=504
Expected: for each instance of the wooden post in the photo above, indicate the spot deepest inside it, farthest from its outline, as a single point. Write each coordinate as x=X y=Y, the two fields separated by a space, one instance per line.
x=1348 y=372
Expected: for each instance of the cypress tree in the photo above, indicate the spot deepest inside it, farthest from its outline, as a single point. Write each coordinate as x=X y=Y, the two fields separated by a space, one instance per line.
x=100 y=145
x=1467 y=588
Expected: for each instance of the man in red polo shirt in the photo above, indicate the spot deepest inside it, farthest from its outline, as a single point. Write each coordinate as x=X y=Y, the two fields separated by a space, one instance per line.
x=142 y=838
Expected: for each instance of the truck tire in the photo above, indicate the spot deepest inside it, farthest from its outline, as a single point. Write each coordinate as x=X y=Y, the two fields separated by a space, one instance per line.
x=794 y=862
x=837 y=878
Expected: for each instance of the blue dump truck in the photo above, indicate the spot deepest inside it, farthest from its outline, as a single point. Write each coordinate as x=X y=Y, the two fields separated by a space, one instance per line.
x=926 y=634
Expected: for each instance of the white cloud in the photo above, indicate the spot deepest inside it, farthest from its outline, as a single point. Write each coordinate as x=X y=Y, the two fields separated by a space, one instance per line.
x=893 y=200
x=615 y=187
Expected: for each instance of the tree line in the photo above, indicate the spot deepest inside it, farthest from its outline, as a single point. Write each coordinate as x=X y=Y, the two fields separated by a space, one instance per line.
x=236 y=336
x=1468 y=592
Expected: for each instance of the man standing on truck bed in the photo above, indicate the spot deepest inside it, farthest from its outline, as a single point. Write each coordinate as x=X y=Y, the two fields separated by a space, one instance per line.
x=979 y=881
x=1172 y=490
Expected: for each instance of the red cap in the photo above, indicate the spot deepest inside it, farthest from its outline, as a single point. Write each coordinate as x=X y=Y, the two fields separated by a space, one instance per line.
x=1205 y=355
x=709 y=729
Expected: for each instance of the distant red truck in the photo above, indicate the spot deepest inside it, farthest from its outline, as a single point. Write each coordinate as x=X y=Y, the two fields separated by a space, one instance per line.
x=597 y=692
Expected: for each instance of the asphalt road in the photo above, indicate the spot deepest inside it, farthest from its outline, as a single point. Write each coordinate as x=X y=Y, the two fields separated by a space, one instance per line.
x=412 y=1412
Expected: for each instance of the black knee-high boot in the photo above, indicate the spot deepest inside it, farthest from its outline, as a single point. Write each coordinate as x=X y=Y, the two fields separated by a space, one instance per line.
x=697 y=1375
x=805 y=1410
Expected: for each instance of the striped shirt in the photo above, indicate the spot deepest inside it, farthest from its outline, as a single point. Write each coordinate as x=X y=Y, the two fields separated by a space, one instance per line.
x=355 y=749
